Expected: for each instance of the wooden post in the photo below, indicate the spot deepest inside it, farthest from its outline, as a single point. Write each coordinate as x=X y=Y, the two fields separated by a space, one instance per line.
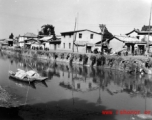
x=148 y=47
x=86 y=47
x=74 y=35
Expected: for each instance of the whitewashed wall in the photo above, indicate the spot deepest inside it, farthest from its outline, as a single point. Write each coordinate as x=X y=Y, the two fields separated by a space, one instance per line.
x=85 y=37
x=116 y=45
x=21 y=39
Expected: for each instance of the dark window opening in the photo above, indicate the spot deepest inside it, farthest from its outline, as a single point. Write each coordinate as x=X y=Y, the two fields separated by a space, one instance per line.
x=69 y=45
x=80 y=35
x=91 y=36
x=64 y=45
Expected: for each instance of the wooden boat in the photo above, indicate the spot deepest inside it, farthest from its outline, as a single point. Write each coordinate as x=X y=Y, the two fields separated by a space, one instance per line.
x=23 y=83
x=27 y=77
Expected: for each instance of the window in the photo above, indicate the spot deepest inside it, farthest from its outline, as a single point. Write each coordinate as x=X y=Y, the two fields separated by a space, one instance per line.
x=78 y=85
x=69 y=45
x=91 y=36
x=80 y=35
x=138 y=37
x=63 y=45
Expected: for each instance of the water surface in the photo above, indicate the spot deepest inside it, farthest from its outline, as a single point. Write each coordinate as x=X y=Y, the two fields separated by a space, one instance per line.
x=76 y=89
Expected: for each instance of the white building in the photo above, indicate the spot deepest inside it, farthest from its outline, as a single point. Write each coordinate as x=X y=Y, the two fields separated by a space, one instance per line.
x=50 y=43
x=21 y=39
x=83 y=40
x=116 y=44
x=143 y=37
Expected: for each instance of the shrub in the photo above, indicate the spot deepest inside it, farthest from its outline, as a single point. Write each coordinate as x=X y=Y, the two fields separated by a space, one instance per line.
x=93 y=59
x=62 y=55
x=103 y=60
x=80 y=57
x=35 y=56
x=67 y=56
x=99 y=59
x=72 y=56
x=76 y=56
x=85 y=59
x=149 y=63
x=54 y=55
x=119 y=59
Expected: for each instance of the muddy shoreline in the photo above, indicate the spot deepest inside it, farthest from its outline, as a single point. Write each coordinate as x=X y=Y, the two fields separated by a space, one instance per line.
x=50 y=111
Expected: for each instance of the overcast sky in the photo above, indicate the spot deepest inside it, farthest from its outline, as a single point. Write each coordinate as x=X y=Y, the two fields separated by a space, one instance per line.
x=120 y=16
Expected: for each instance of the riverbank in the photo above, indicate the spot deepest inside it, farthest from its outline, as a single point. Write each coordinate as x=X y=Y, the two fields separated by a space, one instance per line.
x=54 y=111
x=129 y=64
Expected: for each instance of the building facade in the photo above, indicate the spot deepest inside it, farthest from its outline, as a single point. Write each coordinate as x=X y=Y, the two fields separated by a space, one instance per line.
x=23 y=38
x=79 y=41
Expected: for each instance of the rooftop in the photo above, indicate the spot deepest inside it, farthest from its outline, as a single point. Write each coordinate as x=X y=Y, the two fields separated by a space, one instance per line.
x=146 y=28
x=71 y=32
x=139 y=32
x=29 y=35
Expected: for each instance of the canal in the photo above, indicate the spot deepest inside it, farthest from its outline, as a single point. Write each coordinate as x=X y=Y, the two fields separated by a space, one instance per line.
x=72 y=91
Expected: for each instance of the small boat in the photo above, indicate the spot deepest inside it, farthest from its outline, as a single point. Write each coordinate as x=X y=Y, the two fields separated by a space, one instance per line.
x=23 y=83
x=26 y=76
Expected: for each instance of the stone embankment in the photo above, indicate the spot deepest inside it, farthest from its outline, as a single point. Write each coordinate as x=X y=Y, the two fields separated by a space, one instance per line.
x=133 y=64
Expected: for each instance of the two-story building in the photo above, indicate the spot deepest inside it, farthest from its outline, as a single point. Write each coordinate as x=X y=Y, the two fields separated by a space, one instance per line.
x=80 y=40
x=144 y=37
x=25 y=37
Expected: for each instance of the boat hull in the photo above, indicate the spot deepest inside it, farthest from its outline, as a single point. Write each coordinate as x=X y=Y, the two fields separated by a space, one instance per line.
x=29 y=79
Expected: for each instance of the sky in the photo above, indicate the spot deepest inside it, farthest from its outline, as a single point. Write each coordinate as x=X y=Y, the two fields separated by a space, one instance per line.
x=119 y=16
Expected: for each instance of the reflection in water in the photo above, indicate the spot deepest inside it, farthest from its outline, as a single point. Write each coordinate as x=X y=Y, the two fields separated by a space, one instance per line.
x=87 y=79
x=96 y=85
x=24 y=83
x=26 y=95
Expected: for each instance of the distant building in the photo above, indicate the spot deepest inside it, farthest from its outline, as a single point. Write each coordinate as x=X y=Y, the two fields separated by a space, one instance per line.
x=7 y=42
x=143 y=36
x=50 y=43
x=82 y=40
x=23 y=38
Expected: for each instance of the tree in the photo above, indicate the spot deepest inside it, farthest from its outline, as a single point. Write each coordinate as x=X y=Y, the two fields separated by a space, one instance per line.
x=11 y=36
x=105 y=39
x=146 y=28
x=47 y=30
x=107 y=35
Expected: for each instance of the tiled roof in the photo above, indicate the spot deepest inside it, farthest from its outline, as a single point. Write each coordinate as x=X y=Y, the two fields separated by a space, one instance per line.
x=46 y=38
x=127 y=39
x=139 y=32
x=29 y=35
x=71 y=32
x=132 y=32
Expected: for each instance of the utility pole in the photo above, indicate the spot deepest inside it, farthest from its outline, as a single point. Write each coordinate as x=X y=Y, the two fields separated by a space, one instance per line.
x=74 y=35
x=148 y=46
x=102 y=28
